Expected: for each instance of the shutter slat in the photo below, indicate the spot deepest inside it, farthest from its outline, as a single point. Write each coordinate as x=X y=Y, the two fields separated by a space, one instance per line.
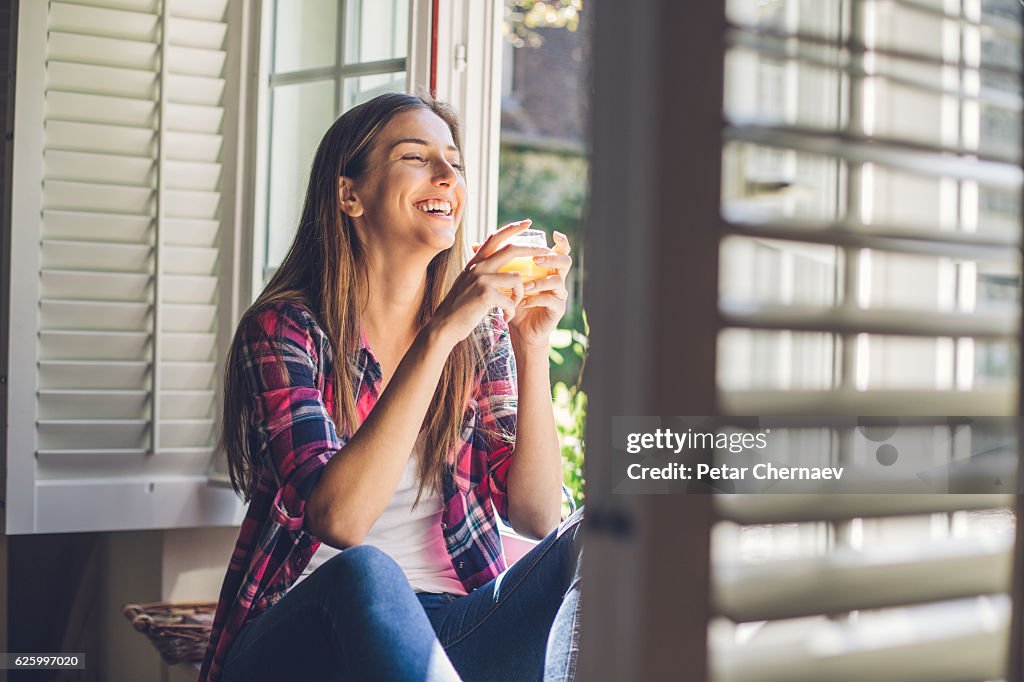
x=93 y=315
x=180 y=317
x=206 y=10
x=947 y=642
x=100 y=21
x=147 y=6
x=71 y=374
x=101 y=286
x=207 y=35
x=120 y=464
x=192 y=204
x=848 y=580
x=191 y=232
x=102 y=227
x=194 y=61
x=187 y=433
x=86 y=345
x=989 y=245
x=182 y=175
x=910 y=158
x=72 y=255
x=755 y=509
x=193 y=147
x=105 y=139
x=194 y=118
x=101 y=80
x=86 y=108
x=189 y=289
x=190 y=260
x=63 y=195
x=195 y=90
x=84 y=167
x=188 y=376
x=748 y=44
x=86 y=49
x=916 y=58
x=92 y=404
x=852 y=321
x=63 y=434
x=190 y=347
x=979 y=402
x=190 y=405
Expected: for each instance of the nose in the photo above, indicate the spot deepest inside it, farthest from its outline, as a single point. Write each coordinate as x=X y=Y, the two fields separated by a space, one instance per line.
x=445 y=174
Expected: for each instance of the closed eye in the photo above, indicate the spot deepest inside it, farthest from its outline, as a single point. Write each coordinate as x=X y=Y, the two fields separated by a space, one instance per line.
x=414 y=157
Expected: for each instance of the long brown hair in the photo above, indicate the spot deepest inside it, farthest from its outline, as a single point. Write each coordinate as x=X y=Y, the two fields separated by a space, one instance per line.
x=325 y=271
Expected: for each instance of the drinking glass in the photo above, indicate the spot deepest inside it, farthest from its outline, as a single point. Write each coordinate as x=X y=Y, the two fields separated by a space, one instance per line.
x=524 y=265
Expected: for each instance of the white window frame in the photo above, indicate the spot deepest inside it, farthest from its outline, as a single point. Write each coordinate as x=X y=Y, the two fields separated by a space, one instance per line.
x=467 y=73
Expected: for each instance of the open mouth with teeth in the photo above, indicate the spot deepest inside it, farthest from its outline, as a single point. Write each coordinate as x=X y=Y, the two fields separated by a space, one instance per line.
x=437 y=207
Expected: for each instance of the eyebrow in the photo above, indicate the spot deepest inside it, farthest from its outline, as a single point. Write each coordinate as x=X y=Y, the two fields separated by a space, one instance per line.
x=416 y=140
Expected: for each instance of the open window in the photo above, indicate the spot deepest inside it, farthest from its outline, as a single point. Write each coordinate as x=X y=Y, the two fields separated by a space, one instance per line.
x=160 y=152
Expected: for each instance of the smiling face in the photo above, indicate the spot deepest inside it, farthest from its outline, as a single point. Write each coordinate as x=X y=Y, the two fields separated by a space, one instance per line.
x=412 y=195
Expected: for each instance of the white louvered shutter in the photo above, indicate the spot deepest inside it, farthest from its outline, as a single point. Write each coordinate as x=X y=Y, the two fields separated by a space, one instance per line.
x=871 y=202
x=124 y=342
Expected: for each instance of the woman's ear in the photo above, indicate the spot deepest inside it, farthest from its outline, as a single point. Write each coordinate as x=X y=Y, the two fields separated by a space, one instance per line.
x=350 y=203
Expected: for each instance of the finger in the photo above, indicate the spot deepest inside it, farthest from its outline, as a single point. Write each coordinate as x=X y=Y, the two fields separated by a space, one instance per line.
x=504 y=255
x=553 y=283
x=475 y=246
x=561 y=243
x=559 y=262
x=495 y=240
x=545 y=300
x=507 y=308
x=502 y=280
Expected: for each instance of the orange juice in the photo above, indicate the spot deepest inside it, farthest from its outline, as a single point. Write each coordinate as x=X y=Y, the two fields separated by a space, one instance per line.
x=525 y=266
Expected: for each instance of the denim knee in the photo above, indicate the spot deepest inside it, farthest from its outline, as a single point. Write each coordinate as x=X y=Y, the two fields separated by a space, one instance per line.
x=364 y=567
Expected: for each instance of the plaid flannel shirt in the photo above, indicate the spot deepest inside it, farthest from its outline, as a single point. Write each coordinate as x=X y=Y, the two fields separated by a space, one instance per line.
x=292 y=431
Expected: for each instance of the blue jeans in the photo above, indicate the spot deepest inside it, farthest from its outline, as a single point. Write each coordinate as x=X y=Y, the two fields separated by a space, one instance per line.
x=356 y=618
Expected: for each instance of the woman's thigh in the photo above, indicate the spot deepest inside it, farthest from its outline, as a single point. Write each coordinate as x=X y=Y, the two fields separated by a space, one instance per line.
x=500 y=630
x=354 y=618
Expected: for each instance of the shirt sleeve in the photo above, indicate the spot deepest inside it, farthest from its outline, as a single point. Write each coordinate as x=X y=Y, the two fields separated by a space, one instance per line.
x=294 y=432
x=498 y=402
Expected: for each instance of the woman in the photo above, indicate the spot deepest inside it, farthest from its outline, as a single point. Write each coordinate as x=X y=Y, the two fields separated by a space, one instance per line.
x=401 y=453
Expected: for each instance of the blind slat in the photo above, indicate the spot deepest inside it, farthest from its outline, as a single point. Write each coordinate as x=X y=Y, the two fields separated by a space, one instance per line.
x=882 y=321
x=947 y=642
x=761 y=509
x=848 y=580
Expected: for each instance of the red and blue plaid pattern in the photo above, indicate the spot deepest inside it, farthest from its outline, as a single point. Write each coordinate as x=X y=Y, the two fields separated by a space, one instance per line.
x=293 y=433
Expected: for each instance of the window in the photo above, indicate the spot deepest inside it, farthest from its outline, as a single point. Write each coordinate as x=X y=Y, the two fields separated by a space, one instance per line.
x=326 y=57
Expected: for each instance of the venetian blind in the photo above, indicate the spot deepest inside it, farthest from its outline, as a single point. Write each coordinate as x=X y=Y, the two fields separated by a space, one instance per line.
x=129 y=281
x=871 y=202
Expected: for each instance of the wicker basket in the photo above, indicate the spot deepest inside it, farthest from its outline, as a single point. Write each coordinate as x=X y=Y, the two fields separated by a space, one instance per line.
x=178 y=631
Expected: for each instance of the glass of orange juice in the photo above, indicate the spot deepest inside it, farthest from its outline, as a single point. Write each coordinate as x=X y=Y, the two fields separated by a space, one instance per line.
x=524 y=265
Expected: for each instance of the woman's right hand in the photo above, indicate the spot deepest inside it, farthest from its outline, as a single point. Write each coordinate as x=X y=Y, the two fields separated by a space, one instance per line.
x=478 y=288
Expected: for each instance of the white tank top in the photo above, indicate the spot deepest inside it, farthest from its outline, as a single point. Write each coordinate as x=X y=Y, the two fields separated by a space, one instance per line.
x=413 y=538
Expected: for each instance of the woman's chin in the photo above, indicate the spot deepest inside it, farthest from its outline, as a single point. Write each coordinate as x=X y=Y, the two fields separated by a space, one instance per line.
x=442 y=239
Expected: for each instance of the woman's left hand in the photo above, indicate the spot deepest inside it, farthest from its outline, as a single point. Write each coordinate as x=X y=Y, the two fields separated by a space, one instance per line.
x=544 y=300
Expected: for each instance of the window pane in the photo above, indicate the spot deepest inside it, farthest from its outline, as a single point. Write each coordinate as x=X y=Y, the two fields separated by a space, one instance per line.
x=304 y=34
x=363 y=88
x=376 y=30
x=301 y=114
